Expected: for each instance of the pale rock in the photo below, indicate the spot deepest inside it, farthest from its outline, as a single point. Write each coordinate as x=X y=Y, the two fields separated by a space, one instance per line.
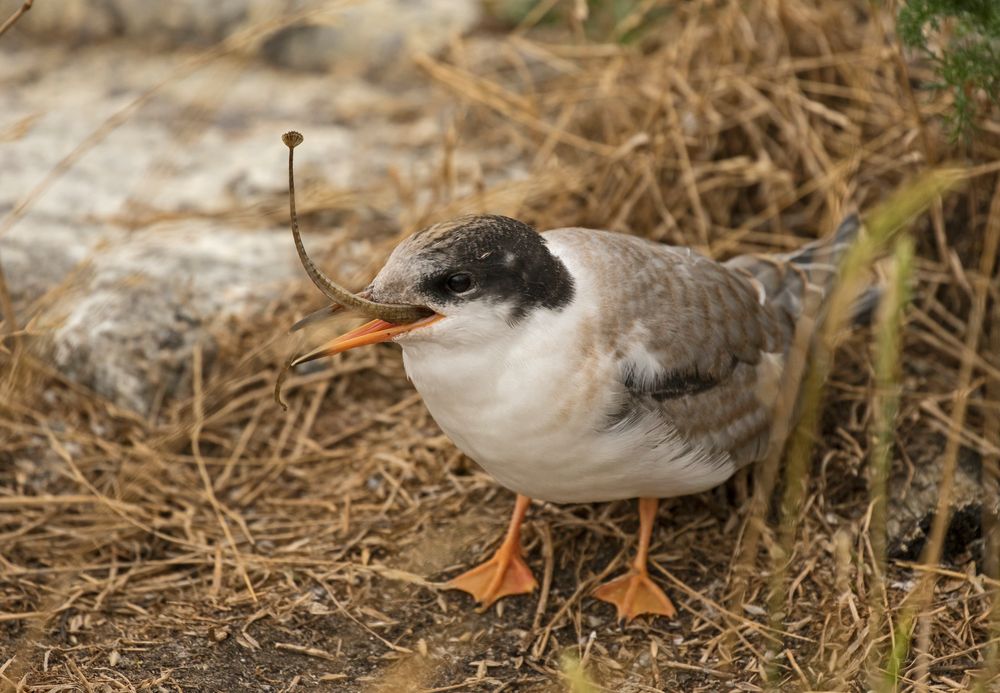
x=127 y=326
x=175 y=220
x=359 y=35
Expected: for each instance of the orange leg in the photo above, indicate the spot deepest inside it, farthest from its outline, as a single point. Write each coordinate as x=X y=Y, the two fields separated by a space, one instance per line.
x=635 y=592
x=506 y=572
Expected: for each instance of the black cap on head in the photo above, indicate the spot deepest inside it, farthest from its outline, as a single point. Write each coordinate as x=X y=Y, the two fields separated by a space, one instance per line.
x=484 y=257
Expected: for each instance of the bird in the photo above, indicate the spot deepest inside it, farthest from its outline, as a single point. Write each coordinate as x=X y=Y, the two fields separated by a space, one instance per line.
x=581 y=365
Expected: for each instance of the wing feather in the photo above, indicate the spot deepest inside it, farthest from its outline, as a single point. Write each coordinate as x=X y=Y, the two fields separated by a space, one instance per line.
x=694 y=340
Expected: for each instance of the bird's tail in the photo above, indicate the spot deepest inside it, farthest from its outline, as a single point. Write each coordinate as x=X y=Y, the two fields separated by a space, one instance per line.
x=793 y=281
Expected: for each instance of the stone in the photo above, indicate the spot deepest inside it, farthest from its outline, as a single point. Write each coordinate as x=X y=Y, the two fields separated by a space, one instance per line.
x=176 y=220
x=132 y=321
x=41 y=254
x=913 y=499
x=360 y=35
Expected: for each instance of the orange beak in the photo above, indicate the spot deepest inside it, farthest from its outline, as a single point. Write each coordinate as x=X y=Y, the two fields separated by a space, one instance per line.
x=370 y=333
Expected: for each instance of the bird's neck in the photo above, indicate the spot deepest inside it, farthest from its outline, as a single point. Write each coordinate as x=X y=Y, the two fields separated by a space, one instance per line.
x=468 y=373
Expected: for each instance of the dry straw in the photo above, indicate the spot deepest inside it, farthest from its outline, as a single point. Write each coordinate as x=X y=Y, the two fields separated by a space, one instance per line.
x=304 y=547
x=888 y=347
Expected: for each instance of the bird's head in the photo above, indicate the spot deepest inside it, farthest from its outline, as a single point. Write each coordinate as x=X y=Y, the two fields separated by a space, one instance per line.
x=464 y=281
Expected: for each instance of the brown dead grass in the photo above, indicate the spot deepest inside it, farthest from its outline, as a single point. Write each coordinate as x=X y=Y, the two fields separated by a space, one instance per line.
x=227 y=545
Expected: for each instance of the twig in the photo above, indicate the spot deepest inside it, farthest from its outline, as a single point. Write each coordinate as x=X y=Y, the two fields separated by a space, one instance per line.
x=887 y=394
x=307 y=651
x=199 y=413
x=991 y=512
x=6 y=304
x=937 y=214
x=25 y=6
x=932 y=551
x=543 y=597
x=493 y=96
x=681 y=666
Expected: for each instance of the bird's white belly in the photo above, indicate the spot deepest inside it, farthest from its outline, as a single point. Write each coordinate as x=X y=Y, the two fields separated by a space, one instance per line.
x=539 y=426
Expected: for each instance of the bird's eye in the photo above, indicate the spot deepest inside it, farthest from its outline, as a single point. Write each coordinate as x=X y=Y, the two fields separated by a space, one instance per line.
x=459 y=283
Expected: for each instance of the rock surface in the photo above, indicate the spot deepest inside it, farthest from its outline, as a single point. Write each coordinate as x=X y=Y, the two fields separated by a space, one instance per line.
x=913 y=503
x=177 y=217
x=368 y=34
x=141 y=306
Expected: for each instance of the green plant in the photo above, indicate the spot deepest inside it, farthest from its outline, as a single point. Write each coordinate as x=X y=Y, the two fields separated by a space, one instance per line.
x=962 y=40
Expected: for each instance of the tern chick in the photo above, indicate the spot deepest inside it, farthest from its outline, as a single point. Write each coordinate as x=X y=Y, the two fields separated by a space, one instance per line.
x=579 y=365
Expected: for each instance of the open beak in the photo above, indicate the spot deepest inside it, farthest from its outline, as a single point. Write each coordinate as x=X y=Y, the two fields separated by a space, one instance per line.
x=370 y=333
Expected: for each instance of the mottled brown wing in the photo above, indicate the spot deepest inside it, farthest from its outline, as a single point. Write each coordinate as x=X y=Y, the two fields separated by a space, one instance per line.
x=700 y=343
x=733 y=416
x=690 y=338
x=719 y=345
x=802 y=278
x=722 y=341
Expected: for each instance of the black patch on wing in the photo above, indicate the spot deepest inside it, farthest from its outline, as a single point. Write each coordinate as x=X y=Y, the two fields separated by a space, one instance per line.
x=509 y=263
x=642 y=393
x=672 y=384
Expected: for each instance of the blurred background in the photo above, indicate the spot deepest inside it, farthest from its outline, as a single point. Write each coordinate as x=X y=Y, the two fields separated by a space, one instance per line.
x=165 y=526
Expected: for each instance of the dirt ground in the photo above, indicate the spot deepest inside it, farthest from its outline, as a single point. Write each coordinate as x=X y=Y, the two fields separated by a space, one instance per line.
x=226 y=545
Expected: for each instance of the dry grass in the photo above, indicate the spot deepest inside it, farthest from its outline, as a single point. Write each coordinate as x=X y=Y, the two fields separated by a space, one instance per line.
x=226 y=544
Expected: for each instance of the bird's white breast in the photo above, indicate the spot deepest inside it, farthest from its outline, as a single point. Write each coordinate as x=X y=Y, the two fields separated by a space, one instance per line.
x=532 y=407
